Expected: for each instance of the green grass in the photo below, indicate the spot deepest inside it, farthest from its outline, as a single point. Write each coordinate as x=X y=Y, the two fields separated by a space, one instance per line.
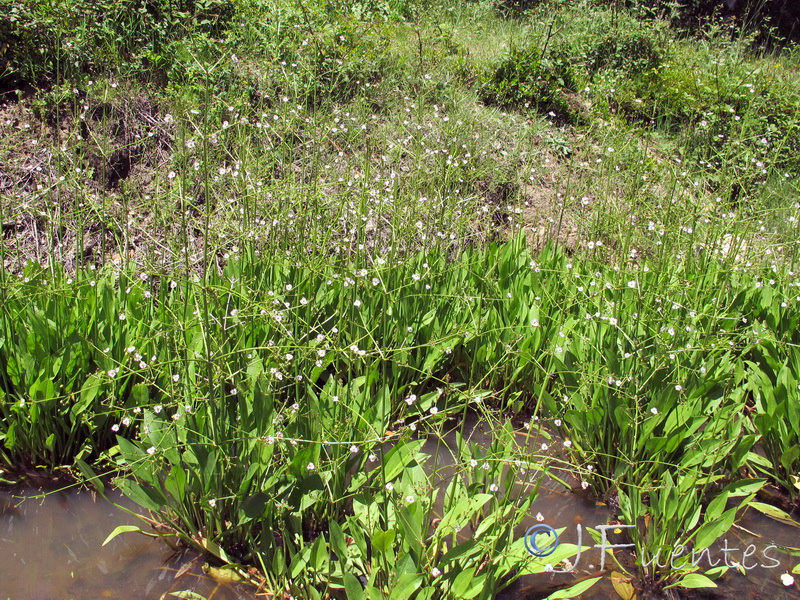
x=254 y=254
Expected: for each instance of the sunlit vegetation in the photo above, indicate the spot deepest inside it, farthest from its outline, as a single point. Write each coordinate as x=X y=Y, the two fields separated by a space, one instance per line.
x=256 y=254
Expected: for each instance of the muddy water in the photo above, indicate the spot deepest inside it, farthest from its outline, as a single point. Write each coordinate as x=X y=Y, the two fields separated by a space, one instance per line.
x=51 y=549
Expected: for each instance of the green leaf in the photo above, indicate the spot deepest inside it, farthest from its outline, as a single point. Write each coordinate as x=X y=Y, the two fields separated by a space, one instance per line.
x=694 y=580
x=574 y=590
x=90 y=476
x=120 y=530
x=774 y=513
x=254 y=506
x=406 y=585
x=352 y=587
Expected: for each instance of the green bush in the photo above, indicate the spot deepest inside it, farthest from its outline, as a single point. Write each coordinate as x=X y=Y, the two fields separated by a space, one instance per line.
x=526 y=79
x=46 y=42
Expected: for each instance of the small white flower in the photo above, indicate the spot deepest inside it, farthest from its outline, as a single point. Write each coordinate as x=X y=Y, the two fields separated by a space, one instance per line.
x=212 y=503
x=473 y=463
x=435 y=572
x=410 y=399
x=493 y=488
x=434 y=410
x=126 y=421
x=115 y=428
x=654 y=410
x=151 y=450
x=357 y=303
x=234 y=391
x=389 y=486
x=410 y=498
x=787 y=579
x=354 y=449
x=176 y=377
x=539 y=517
x=557 y=422
x=373 y=457
x=158 y=408
x=584 y=484
x=310 y=466
x=567 y=444
x=679 y=387
x=544 y=447
x=548 y=568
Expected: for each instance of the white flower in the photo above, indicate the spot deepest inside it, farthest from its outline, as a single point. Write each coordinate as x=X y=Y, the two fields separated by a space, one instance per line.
x=557 y=422
x=534 y=322
x=354 y=449
x=584 y=484
x=234 y=391
x=787 y=579
x=435 y=572
x=411 y=399
x=212 y=503
x=473 y=463
x=434 y=410
x=357 y=303
x=415 y=276
x=654 y=410
x=493 y=488
x=544 y=447
x=679 y=387
x=115 y=428
x=567 y=444
x=176 y=377
x=310 y=466
x=410 y=498
x=539 y=517
x=612 y=321
x=373 y=457
x=389 y=486
x=158 y=408
x=126 y=421
x=151 y=450
x=548 y=568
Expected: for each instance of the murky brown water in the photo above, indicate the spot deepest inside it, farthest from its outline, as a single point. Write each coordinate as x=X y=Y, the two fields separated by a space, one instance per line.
x=51 y=549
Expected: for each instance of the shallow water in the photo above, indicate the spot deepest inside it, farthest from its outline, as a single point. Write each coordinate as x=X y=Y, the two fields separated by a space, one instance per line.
x=51 y=549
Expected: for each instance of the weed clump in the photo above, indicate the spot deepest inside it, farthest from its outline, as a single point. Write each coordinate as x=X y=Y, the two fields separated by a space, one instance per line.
x=525 y=79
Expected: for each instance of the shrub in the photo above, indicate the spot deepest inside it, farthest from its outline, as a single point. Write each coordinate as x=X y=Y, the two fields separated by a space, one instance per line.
x=526 y=79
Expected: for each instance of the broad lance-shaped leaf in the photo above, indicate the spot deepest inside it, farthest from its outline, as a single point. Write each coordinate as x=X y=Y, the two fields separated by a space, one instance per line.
x=126 y=529
x=573 y=591
x=694 y=580
x=774 y=513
